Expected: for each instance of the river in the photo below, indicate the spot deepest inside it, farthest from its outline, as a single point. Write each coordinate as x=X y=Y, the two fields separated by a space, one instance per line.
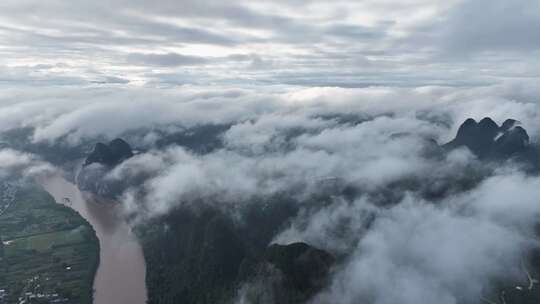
x=120 y=278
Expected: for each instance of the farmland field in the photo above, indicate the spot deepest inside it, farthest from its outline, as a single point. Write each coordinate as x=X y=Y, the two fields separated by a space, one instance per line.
x=47 y=251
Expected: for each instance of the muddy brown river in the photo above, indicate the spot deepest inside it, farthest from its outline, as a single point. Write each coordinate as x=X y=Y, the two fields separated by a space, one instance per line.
x=120 y=278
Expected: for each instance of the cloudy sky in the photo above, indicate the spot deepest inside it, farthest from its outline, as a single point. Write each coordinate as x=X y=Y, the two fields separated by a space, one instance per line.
x=309 y=43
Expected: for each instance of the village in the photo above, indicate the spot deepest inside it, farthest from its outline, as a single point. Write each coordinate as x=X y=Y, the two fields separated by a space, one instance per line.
x=33 y=293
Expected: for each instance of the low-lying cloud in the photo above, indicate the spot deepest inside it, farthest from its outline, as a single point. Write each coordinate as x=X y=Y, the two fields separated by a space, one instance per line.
x=74 y=114
x=409 y=221
x=17 y=162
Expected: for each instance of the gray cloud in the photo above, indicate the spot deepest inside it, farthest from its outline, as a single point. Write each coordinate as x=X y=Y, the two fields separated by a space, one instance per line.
x=492 y=26
x=13 y=162
x=74 y=113
x=170 y=59
x=346 y=43
x=420 y=253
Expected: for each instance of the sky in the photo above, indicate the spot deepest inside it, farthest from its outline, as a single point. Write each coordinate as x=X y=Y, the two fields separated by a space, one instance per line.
x=285 y=42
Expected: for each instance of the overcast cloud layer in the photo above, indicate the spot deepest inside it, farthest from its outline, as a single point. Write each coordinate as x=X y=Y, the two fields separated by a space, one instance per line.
x=342 y=43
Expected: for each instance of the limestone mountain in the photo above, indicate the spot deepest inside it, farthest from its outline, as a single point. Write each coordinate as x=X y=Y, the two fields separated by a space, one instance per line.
x=305 y=267
x=98 y=163
x=487 y=140
x=110 y=154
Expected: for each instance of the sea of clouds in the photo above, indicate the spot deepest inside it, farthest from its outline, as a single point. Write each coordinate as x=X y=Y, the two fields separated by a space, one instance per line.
x=398 y=243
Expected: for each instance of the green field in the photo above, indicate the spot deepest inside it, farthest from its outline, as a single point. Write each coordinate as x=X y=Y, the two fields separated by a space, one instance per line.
x=47 y=249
